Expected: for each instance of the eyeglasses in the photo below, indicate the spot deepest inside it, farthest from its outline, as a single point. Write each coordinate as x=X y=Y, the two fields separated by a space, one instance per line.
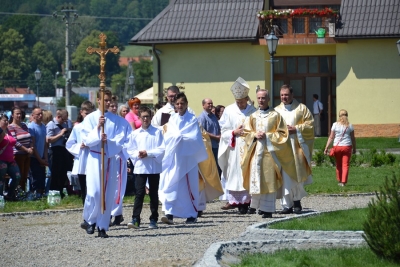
x=145 y=117
x=171 y=96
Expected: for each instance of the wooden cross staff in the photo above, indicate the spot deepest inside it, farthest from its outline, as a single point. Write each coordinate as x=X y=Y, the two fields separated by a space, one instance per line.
x=102 y=52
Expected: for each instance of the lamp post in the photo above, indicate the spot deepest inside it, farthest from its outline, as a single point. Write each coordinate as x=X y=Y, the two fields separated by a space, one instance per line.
x=55 y=82
x=132 y=83
x=398 y=46
x=272 y=42
x=38 y=75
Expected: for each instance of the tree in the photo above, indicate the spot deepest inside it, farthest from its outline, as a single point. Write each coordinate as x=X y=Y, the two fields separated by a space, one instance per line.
x=13 y=57
x=76 y=100
x=88 y=65
x=46 y=83
x=143 y=75
x=24 y=25
x=42 y=56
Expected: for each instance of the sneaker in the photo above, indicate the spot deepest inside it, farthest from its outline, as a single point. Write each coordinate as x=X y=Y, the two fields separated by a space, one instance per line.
x=153 y=224
x=191 y=220
x=134 y=224
x=168 y=219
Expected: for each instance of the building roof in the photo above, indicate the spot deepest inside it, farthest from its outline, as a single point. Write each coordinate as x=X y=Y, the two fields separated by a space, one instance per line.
x=185 y=21
x=369 y=19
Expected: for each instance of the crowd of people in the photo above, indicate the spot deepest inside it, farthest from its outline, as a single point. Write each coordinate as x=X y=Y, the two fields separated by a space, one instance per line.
x=244 y=155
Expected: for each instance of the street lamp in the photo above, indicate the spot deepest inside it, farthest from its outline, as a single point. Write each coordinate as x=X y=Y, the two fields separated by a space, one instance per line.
x=398 y=46
x=38 y=75
x=132 y=83
x=272 y=42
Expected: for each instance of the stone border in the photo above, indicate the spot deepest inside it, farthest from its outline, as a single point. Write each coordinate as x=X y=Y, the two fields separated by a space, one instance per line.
x=258 y=238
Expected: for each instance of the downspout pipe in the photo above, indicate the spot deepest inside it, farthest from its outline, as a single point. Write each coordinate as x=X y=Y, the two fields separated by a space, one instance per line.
x=160 y=90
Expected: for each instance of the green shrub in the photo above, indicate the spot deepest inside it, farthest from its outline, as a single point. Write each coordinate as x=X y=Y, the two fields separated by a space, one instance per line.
x=382 y=227
x=319 y=157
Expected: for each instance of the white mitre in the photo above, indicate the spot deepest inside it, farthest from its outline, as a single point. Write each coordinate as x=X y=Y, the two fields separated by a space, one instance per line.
x=240 y=89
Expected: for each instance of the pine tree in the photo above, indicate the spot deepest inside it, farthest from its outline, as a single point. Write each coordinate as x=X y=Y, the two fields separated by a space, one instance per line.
x=382 y=227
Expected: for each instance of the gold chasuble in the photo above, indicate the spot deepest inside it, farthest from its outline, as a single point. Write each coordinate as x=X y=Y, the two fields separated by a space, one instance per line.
x=263 y=158
x=208 y=172
x=298 y=115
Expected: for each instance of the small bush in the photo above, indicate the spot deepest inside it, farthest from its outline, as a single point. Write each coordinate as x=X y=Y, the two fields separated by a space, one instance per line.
x=382 y=227
x=319 y=157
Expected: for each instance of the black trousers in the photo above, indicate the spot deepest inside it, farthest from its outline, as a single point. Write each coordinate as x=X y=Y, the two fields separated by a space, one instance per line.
x=59 y=167
x=82 y=183
x=140 y=184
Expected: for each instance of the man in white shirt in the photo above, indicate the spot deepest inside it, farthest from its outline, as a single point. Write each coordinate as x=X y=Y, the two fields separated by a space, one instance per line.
x=146 y=150
x=162 y=115
x=317 y=111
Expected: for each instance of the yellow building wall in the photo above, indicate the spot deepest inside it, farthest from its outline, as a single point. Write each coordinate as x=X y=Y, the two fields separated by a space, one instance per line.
x=368 y=81
x=209 y=70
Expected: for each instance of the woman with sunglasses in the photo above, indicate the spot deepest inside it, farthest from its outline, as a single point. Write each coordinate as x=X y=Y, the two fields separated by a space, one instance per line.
x=7 y=162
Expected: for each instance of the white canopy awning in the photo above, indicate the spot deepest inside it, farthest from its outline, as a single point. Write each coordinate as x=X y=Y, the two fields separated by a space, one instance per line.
x=146 y=97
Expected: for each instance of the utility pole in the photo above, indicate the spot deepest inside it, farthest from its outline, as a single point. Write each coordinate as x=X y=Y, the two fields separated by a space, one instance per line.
x=68 y=10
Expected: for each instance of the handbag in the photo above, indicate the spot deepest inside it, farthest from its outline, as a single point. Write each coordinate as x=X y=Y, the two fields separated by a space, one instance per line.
x=332 y=151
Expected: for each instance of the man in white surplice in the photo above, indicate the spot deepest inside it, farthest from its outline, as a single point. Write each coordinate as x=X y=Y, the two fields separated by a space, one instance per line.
x=184 y=150
x=231 y=146
x=300 y=123
x=114 y=138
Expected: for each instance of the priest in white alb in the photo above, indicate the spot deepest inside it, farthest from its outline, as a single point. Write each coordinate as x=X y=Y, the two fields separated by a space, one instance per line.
x=231 y=147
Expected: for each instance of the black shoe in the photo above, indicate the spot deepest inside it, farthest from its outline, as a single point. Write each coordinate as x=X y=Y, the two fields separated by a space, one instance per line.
x=199 y=213
x=297 y=207
x=267 y=214
x=90 y=229
x=168 y=219
x=260 y=212
x=251 y=211
x=84 y=225
x=286 y=211
x=102 y=233
x=191 y=220
x=118 y=220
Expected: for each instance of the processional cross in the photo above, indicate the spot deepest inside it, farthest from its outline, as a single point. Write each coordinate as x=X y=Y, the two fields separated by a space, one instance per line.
x=102 y=52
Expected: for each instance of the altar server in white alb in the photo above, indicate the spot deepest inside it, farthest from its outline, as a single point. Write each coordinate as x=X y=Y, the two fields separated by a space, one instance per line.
x=114 y=138
x=231 y=146
x=184 y=150
x=122 y=174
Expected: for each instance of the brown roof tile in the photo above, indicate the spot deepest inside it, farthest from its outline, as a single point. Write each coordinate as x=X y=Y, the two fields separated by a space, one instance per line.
x=369 y=19
x=203 y=21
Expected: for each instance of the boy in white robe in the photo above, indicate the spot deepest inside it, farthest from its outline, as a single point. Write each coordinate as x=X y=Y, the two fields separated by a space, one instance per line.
x=114 y=138
x=184 y=150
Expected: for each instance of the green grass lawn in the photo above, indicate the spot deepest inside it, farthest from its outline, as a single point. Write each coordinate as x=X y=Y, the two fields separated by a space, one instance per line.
x=365 y=143
x=342 y=220
x=361 y=179
x=346 y=220
x=332 y=257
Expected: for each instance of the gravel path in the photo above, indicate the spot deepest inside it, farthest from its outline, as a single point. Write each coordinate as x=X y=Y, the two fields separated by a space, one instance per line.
x=55 y=238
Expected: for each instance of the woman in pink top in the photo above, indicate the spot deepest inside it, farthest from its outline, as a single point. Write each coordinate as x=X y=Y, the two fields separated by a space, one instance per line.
x=132 y=116
x=7 y=162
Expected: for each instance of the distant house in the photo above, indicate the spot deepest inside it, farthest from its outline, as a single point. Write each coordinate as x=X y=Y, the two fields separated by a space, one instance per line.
x=203 y=46
x=17 y=97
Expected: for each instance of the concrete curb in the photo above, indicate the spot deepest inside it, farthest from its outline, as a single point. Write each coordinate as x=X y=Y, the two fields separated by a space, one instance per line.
x=258 y=238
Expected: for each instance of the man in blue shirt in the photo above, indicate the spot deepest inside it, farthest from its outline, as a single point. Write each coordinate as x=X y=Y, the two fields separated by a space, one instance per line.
x=211 y=125
x=39 y=157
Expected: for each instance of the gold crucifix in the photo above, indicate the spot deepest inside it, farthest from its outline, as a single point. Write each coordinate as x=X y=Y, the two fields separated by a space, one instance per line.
x=102 y=51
